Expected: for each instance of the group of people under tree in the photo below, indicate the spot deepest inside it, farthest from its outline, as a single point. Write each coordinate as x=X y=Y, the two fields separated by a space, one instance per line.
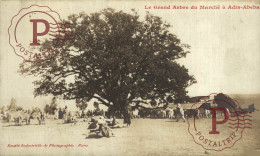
x=104 y=122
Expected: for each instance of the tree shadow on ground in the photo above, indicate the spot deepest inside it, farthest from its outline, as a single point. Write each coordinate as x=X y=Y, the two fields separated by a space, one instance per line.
x=20 y=125
x=92 y=136
x=95 y=136
x=116 y=127
x=171 y=121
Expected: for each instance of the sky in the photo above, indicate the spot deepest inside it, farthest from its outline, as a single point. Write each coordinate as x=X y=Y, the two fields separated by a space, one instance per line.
x=225 y=49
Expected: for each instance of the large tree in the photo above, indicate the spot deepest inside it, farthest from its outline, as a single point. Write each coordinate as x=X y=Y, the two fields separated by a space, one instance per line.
x=116 y=58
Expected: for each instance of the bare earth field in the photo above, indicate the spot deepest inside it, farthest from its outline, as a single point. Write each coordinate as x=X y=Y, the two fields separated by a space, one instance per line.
x=143 y=137
x=150 y=137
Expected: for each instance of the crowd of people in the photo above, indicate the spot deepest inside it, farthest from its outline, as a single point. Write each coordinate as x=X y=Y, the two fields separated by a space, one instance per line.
x=160 y=113
x=99 y=121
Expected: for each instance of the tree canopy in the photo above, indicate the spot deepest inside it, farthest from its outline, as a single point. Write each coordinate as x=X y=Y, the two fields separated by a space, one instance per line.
x=116 y=58
x=13 y=106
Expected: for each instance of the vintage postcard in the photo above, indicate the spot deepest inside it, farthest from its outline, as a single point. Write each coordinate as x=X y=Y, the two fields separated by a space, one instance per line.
x=131 y=78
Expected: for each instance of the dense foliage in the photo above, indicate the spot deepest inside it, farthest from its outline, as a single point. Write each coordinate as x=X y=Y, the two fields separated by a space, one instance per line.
x=116 y=58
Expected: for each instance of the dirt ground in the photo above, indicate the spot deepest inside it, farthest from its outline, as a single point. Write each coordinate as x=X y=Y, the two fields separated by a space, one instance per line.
x=143 y=137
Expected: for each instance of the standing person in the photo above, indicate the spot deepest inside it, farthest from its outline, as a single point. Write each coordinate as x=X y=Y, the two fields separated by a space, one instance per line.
x=60 y=114
x=82 y=114
x=127 y=117
x=56 y=114
x=180 y=113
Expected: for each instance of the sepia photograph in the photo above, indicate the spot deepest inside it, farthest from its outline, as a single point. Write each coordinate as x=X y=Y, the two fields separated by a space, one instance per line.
x=131 y=78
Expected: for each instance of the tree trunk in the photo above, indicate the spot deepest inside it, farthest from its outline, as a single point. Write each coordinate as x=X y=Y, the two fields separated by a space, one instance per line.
x=120 y=105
